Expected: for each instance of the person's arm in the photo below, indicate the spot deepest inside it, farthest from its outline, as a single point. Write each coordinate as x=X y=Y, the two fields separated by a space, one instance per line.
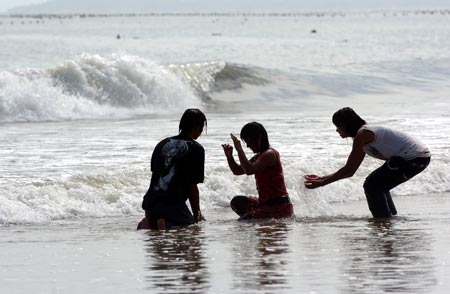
x=265 y=160
x=194 y=201
x=235 y=168
x=348 y=170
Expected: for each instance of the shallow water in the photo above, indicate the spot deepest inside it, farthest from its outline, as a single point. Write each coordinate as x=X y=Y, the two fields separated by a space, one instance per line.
x=345 y=253
x=77 y=169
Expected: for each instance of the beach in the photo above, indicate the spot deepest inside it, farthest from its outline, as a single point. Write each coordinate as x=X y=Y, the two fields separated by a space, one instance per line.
x=82 y=110
x=345 y=253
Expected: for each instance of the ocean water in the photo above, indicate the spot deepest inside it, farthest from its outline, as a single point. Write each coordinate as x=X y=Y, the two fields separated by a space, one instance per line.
x=84 y=100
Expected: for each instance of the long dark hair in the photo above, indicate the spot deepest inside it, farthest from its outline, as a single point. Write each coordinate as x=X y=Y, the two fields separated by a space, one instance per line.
x=346 y=118
x=192 y=118
x=254 y=131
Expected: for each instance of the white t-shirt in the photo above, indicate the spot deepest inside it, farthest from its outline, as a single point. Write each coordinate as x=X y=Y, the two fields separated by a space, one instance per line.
x=390 y=143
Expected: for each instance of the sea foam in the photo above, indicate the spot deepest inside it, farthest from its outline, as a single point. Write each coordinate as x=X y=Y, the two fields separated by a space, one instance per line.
x=120 y=192
x=92 y=86
x=115 y=86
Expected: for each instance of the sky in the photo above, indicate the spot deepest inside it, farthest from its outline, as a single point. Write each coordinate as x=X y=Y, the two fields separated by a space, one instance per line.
x=220 y=5
x=5 y=5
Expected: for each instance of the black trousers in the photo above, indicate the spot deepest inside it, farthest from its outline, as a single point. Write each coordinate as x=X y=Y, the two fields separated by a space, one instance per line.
x=174 y=214
x=391 y=174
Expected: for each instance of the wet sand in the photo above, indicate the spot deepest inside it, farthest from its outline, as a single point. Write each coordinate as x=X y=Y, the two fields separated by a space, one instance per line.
x=345 y=253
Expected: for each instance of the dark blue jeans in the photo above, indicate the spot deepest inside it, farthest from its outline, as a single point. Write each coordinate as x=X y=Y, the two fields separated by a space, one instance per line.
x=391 y=174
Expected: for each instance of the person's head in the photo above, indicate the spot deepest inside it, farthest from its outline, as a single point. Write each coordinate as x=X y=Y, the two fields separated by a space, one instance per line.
x=192 y=122
x=255 y=136
x=347 y=122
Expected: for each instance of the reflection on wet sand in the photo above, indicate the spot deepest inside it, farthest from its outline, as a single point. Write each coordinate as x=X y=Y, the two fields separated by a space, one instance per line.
x=176 y=262
x=307 y=255
x=392 y=256
x=260 y=252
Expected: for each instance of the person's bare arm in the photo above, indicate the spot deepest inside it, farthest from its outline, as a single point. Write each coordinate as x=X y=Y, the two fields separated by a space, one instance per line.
x=265 y=160
x=235 y=168
x=194 y=201
x=354 y=160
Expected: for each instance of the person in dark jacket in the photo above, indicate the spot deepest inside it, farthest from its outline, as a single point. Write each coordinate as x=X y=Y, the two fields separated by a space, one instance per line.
x=177 y=167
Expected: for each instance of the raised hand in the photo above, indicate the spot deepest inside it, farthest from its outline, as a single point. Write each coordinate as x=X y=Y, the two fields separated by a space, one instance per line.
x=236 y=142
x=227 y=149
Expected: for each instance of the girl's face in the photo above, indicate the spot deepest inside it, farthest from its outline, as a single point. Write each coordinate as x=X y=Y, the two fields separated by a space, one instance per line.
x=253 y=145
x=343 y=133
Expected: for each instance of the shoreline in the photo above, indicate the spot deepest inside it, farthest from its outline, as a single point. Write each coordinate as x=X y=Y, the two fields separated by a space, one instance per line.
x=407 y=254
x=351 y=210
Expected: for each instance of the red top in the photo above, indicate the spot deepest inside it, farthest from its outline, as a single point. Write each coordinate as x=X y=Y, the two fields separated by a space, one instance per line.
x=270 y=182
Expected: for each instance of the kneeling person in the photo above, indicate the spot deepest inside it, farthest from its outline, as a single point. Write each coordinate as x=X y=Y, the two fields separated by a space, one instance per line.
x=177 y=167
x=273 y=200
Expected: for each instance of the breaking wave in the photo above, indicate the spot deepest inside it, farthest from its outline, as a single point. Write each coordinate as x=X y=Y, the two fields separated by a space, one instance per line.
x=96 y=87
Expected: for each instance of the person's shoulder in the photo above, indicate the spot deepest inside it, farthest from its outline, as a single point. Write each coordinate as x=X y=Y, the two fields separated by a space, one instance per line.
x=364 y=129
x=176 y=137
x=364 y=135
x=377 y=128
x=198 y=146
x=192 y=143
x=163 y=141
x=272 y=150
x=269 y=154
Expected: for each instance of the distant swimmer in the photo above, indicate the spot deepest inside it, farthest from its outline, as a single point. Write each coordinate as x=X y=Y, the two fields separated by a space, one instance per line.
x=404 y=158
x=273 y=200
x=177 y=166
x=118 y=36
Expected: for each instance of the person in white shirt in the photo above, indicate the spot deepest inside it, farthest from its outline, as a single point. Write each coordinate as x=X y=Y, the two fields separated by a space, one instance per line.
x=404 y=158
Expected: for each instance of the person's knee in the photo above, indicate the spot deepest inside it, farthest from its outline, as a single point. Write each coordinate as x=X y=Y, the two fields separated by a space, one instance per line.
x=371 y=185
x=238 y=201
x=239 y=204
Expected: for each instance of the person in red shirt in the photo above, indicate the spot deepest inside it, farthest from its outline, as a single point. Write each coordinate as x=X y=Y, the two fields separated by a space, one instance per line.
x=273 y=199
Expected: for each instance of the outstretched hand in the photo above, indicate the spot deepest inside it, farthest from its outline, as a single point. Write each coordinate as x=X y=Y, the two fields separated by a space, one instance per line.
x=313 y=181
